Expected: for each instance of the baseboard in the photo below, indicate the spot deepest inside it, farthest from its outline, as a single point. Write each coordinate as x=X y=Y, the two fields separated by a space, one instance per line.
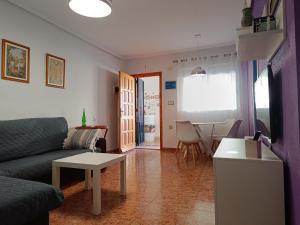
x=169 y=149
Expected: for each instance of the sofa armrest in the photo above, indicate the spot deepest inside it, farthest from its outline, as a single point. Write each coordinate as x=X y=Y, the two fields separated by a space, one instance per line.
x=24 y=201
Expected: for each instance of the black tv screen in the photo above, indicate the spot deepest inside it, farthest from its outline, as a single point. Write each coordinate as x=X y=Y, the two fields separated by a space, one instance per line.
x=263 y=104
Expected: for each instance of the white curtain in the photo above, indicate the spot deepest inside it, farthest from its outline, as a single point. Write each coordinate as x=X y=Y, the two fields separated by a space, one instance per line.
x=214 y=97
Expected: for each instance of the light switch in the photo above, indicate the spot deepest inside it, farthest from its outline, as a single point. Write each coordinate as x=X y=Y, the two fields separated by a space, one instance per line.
x=171 y=103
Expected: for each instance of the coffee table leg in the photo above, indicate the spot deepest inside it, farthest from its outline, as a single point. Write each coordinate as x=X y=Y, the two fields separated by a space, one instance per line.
x=123 y=177
x=87 y=179
x=56 y=176
x=96 y=192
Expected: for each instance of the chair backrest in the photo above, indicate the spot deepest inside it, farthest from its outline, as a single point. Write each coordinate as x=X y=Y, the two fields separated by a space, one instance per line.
x=224 y=128
x=186 y=132
x=233 y=133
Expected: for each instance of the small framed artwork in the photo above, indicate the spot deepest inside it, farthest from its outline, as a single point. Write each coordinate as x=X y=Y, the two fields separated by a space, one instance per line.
x=55 y=71
x=15 y=62
x=170 y=85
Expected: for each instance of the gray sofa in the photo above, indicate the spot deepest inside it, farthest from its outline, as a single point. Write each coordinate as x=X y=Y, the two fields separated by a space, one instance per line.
x=27 y=148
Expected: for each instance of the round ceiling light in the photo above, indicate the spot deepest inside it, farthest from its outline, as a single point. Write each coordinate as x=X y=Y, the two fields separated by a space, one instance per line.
x=91 y=8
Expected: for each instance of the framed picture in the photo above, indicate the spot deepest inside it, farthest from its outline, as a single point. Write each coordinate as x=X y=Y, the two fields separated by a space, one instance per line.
x=55 y=71
x=272 y=6
x=15 y=62
x=170 y=85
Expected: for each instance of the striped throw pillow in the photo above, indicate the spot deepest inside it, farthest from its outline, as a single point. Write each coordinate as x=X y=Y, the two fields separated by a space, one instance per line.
x=82 y=138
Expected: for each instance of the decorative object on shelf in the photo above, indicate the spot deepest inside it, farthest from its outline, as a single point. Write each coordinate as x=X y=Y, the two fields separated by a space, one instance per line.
x=198 y=71
x=91 y=8
x=83 y=119
x=264 y=24
x=247 y=18
x=55 y=71
x=15 y=62
x=252 y=46
x=272 y=6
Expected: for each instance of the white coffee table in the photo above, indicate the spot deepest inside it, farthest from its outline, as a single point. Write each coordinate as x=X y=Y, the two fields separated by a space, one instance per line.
x=91 y=162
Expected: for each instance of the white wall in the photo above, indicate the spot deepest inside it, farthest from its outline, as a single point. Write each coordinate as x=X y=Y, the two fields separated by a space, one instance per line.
x=165 y=65
x=90 y=75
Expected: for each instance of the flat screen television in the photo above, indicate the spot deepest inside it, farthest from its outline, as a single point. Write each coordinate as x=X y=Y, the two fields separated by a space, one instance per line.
x=264 y=106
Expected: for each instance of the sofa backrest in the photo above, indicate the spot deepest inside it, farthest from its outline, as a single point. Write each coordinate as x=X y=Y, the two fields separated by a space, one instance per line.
x=21 y=138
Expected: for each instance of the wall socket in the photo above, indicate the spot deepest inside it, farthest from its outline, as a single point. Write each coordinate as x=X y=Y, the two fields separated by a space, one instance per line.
x=170 y=127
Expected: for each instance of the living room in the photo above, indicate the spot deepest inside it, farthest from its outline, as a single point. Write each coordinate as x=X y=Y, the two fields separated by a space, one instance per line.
x=68 y=118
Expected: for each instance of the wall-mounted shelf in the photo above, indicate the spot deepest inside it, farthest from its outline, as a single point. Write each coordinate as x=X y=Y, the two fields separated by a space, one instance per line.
x=260 y=45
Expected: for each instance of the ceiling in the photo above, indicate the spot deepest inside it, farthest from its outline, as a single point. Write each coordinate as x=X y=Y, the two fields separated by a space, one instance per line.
x=140 y=28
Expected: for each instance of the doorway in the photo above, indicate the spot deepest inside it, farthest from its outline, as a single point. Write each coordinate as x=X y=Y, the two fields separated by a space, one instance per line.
x=148 y=110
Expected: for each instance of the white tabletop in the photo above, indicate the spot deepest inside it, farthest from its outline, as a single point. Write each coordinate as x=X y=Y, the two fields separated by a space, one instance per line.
x=234 y=148
x=89 y=160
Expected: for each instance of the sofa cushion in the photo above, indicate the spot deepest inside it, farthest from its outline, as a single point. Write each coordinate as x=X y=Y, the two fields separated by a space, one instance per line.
x=36 y=166
x=22 y=200
x=20 y=138
x=82 y=138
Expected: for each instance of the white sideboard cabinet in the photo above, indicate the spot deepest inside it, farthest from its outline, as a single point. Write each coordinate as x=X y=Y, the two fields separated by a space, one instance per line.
x=249 y=190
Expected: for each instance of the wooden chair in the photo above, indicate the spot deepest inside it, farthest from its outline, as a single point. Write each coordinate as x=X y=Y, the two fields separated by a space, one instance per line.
x=188 y=140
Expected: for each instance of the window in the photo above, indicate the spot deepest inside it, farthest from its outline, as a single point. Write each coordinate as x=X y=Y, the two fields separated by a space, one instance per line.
x=215 y=92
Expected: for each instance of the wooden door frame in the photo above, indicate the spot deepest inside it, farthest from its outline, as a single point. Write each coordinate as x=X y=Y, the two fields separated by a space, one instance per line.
x=156 y=74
